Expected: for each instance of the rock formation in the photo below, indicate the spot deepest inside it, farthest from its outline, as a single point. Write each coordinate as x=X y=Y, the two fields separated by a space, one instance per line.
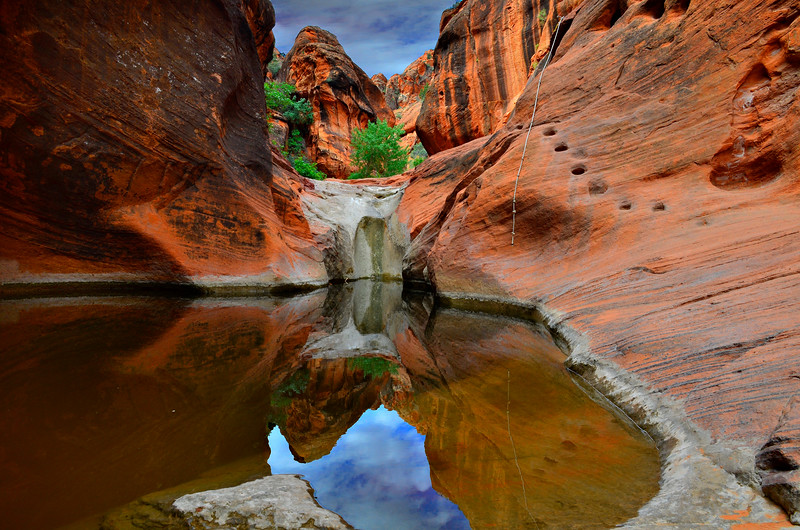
x=137 y=152
x=654 y=216
x=404 y=89
x=481 y=64
x=380 y=82
x=343 y=97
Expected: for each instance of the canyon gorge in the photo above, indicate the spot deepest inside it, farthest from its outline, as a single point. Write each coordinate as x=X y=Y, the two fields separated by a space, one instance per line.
x=649 y=199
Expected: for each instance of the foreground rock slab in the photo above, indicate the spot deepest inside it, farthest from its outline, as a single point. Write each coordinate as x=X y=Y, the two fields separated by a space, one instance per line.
x=277 y=501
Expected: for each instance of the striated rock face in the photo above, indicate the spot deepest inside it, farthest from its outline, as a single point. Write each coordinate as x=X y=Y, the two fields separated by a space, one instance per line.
x=481 y=64
x=404 y=89
x=380 y=82
x=134 y=148
x=656 y=218
x=343 y=97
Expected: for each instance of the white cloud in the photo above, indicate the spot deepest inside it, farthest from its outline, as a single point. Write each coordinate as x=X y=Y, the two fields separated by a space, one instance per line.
x=379 y=35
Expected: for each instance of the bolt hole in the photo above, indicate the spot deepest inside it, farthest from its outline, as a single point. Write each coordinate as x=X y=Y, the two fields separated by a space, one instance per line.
x=625 y=205
x=579 y=170
x=549 y=132
x=561 y=147
x=659 y=207
x=519 y=126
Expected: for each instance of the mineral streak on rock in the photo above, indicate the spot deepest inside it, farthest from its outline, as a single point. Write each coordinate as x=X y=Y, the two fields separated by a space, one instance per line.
x=481 y=63
x=654 y=212
x=133 y=148
x=343 y=97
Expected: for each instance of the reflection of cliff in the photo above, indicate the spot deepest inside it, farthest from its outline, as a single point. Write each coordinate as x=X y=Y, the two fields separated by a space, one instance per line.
x=571 y=463
x=189 y=386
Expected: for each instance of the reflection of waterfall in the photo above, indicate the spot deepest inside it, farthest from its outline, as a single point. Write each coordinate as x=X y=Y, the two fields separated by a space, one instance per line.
x=365 y=320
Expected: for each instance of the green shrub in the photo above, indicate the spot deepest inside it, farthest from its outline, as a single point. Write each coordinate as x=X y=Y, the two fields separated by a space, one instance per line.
x=424 y=92
x=280 y=97
x=372 y=367
x=274 y=65
x=542 y=16
x=376 y=151
x=308 y=169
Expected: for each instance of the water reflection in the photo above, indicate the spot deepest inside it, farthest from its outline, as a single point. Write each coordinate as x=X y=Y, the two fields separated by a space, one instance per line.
x=106 y=400
x=377 y=472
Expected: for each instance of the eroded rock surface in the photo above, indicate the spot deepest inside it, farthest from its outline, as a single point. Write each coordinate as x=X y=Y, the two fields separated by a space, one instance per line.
x=654 y=213
x=404 y=89
x=481 y=63
x=277 y=501
x=134 y=148
x=343 y=97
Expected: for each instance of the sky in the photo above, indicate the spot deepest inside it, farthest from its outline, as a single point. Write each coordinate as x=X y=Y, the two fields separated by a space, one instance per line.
x=376 y=472
x=379 y=35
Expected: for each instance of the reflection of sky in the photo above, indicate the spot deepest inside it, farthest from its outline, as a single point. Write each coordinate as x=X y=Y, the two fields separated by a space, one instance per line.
x=377 y=476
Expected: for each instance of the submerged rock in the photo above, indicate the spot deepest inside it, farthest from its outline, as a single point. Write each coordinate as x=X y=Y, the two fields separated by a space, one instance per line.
x=277 y=501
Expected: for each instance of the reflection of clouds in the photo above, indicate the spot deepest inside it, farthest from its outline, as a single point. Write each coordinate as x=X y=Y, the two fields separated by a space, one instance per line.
x=376 y=473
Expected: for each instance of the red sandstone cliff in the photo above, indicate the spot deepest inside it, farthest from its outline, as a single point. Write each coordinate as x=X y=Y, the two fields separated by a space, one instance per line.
x=481 y=64
x=138 y=153
x=656 y=214
x=343 y=97
x=404 y=89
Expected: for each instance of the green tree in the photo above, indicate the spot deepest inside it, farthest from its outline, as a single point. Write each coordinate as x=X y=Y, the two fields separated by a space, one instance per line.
x=376 y=151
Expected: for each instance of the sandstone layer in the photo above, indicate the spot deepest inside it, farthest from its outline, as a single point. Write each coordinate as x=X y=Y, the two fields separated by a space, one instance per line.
x=655 y=217
x=343 y=97
x=406 y=88
x=481 y=63
x=134 y=149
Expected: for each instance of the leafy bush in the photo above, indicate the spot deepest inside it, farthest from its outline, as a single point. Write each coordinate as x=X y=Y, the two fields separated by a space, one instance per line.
x=372 y=367
x=376 y=151
x=280 y=97
x=274 y=65
x=308 y=169
x=424 y=92
x=542 y=16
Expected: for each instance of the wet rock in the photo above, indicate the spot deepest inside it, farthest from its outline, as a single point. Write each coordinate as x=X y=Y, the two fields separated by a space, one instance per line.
x=344 y=99
x=277 y=501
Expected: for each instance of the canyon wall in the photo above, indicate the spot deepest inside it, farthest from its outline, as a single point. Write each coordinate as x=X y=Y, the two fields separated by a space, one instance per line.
x=344 y=99
x=655 y=216
x=133 y=148
x=481 y=63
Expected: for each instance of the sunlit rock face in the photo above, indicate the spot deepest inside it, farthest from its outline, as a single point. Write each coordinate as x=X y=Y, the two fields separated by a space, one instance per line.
x=134 y=148
x=405 y=88
x=481 y=63
x=654 y=212
x=343 y=97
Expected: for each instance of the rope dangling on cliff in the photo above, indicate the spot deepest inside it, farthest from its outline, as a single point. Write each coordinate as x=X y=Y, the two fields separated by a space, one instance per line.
x=530 y=126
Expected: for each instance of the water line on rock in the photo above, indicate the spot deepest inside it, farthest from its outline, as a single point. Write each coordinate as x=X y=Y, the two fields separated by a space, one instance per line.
x=530 y=126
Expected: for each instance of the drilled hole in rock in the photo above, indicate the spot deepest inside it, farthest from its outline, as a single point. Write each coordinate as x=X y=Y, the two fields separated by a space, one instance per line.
x=653 y=8
x=520 y=126
x=597 y=187
x=549 y=132
x=659 y=206
x=578 y=170
x=561 y=148
x=625 y=205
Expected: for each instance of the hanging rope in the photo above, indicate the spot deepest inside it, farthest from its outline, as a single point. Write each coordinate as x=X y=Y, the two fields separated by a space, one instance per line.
x=530 y=126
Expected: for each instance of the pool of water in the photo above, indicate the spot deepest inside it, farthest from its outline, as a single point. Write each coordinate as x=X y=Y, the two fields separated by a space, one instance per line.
x=395 y=412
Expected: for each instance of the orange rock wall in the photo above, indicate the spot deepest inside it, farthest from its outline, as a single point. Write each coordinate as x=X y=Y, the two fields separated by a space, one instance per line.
x=134 y=148
x=656 y=212
x=481 y=63
x=404 y=89
x=343 y=97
